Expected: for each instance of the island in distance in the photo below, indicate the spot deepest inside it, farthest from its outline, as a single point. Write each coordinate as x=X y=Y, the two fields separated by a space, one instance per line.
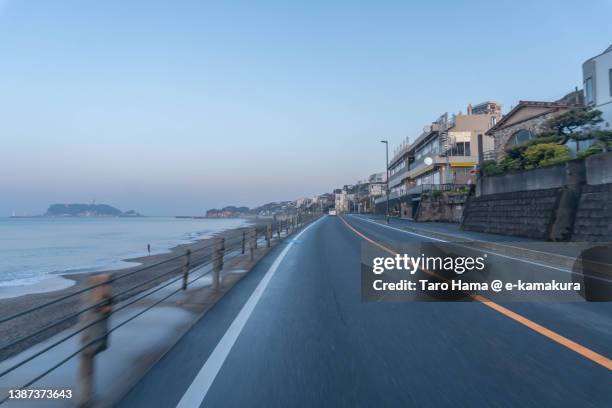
x=87 y=210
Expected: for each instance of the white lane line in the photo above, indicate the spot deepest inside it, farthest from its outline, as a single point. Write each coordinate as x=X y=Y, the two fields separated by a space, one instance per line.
x=198 y=389
x=483 y=250
x=397 y=229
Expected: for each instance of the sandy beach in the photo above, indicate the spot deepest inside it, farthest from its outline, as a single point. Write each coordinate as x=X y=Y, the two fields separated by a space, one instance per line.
x=56 y=288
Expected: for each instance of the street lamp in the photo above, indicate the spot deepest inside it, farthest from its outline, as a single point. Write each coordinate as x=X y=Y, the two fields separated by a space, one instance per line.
x=386 y=142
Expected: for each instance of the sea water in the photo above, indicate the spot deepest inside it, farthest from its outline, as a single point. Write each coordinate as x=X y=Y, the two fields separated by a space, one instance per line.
x=33 y=250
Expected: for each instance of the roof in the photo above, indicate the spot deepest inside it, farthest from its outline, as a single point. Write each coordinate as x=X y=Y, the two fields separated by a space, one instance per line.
x=529 y=104
x=607 y=50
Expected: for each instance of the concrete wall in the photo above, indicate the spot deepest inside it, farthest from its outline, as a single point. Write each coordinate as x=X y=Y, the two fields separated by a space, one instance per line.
x=598 y=169
x=593 y=170
x=536 y=179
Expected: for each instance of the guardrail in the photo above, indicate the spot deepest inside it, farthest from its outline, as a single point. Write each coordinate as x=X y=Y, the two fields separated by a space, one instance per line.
x=100 y=302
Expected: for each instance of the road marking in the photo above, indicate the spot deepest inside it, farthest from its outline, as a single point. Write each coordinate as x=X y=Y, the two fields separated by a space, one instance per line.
x=198 y=389
x=564 y=341
x=401 y=230
x=484 y=250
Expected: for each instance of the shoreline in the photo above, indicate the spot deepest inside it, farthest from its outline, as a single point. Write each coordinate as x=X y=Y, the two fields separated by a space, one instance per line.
x=60 y=280
x=22 y=326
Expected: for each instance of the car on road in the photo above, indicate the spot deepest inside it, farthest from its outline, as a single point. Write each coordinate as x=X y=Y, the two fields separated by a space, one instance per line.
x=332 y=212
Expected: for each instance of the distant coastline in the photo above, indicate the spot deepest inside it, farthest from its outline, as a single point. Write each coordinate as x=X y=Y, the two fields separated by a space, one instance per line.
x=82 y=211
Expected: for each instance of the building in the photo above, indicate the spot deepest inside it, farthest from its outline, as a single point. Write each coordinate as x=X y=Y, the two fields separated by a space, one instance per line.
x=485 y=108
x=376 y=189
x=597 y=80
x=378 y=177
x=525 y=121
x=444 y=155
x=342 y=201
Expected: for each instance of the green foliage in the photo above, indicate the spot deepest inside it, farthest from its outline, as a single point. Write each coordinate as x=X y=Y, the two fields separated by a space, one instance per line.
x=514 y=160
x=545 y=154
x=459 y=191
x=575 y=124
x=527 y=156
x=549 y=148
x=491 y=168
x=436 y=194
x=591 y=150
x=510 y=164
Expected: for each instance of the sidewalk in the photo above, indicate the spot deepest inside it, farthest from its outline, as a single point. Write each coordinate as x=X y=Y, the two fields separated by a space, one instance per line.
x=561 y=254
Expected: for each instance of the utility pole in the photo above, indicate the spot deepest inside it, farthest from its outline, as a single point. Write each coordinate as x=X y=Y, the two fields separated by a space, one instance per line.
x=386 y=142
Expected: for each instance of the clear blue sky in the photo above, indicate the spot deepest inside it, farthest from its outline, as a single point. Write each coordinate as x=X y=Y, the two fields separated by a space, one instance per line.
x=177 y=106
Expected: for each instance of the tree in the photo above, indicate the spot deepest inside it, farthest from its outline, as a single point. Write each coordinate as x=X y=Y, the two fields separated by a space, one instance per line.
x=573 y=124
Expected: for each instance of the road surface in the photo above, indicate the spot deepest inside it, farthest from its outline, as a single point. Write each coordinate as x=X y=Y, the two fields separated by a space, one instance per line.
x=295 y=333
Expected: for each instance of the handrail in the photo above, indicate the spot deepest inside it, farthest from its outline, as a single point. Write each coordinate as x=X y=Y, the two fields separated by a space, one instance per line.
x=232 y=246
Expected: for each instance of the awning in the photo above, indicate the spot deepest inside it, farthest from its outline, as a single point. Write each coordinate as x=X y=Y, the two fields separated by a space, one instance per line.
x=463 y=164
x=423 y=170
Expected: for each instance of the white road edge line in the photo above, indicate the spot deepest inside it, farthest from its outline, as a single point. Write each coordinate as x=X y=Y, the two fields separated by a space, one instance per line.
x=483 y=250
x=195 y=394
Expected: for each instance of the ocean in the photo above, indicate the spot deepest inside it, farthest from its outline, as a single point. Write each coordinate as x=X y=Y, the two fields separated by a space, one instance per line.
x=36 y=249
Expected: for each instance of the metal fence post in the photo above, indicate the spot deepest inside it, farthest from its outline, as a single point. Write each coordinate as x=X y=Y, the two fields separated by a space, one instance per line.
x=218 y=263
x=252 y=243
x=243 y=241
x=278 y=229
x=255 y=237
x=186 y=267
x=95 y=335
x=269 y=235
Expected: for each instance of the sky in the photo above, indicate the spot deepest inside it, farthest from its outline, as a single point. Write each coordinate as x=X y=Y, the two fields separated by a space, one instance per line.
x=174 y=107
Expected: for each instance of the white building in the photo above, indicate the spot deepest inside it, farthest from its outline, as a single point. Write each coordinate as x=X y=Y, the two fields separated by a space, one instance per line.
x=597 y=77
x=376 y=189
x=342 y=201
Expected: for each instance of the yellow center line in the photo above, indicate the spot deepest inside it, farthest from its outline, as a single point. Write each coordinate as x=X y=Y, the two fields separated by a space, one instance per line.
x=538 y=328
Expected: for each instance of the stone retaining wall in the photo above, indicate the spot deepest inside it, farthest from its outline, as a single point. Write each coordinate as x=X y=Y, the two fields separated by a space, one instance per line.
x=569 y=201
x=594 y=216
x=523 y=213
x=443 y=207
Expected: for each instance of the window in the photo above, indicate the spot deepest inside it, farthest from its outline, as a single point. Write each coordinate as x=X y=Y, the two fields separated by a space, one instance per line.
x=588 y=90
x=520 y=137
x=461 y=149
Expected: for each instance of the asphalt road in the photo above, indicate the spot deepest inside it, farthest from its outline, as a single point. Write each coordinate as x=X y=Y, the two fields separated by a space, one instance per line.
x=306 y=339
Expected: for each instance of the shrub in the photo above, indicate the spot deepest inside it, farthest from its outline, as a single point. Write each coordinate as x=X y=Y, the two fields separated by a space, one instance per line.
x=491 y=168
x=512 y=164
x=459 y=191
x=589 y=151
x=545 y=154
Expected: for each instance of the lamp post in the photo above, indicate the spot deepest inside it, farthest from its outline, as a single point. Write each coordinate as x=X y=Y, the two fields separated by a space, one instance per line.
x=386 y=142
